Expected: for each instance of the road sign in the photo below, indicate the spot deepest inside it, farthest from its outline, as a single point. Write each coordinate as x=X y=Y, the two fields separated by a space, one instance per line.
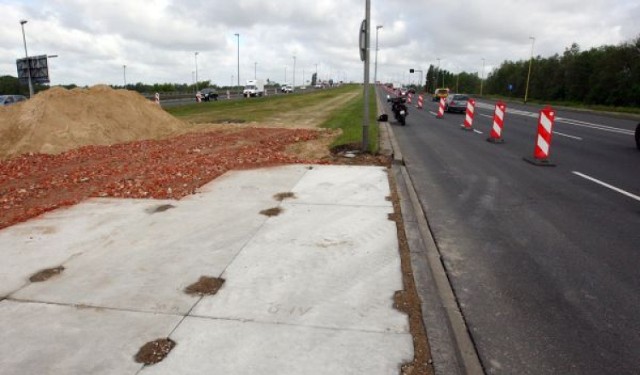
x=363 y=40
x=38 y=66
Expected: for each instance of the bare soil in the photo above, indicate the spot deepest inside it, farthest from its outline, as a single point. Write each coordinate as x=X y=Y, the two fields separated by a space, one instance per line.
x=46 y=274
x=154 y=351
x=206 y=285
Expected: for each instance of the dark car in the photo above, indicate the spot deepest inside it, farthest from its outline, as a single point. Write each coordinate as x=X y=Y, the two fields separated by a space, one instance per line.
x=209 y=94
x=456 y=103
x=11 y=99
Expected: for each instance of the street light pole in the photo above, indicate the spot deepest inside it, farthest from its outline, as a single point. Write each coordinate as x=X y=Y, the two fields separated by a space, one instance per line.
x=26 y=55
x=255 y=70
x=438 y=75
x=238 y=36
x=482 y=77
x=124 y=75
x=196 y=57
x=375 y=69
x=526 y=90
x=294 y=73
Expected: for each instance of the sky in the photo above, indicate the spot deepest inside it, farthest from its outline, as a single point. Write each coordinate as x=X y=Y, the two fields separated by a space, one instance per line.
x=157 y=40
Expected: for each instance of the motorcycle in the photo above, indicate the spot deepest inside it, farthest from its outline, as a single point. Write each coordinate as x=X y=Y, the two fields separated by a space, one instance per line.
x=399 y=109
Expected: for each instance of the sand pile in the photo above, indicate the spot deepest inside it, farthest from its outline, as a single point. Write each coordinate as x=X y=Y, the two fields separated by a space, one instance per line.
x=57 y=120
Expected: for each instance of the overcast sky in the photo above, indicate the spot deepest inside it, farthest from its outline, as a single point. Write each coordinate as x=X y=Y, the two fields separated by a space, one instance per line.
x=157 y=39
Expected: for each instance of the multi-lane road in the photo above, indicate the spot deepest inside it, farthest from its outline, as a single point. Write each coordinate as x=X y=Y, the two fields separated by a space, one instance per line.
x=544 y=261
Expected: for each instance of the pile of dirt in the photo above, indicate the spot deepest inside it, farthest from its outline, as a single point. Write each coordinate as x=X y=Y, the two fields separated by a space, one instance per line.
x=57 y=120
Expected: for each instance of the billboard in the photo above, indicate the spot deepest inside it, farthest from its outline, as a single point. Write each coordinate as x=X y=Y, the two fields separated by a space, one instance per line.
x=38 y=66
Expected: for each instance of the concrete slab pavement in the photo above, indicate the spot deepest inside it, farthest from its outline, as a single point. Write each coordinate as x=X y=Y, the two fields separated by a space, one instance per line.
x=308 y=291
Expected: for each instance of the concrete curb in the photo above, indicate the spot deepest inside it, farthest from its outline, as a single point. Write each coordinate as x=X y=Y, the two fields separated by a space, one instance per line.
x=452 y=348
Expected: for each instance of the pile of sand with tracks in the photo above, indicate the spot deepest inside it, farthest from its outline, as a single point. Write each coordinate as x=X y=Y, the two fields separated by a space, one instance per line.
x=57 y=120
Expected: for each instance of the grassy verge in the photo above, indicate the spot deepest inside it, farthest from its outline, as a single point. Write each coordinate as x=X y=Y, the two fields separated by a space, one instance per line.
x=349 y=119
x=254 y=109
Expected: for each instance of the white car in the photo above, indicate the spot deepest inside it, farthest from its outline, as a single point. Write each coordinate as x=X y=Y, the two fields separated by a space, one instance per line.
x=287 y=89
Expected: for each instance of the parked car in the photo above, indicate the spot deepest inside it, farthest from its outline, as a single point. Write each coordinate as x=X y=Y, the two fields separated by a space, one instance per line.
x=439 y=94
x=209 y=94
x=11 y=99
x=456 y=103
x=286 y=88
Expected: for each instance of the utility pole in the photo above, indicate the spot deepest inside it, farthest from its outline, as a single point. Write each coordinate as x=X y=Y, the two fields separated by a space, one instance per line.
x=26 y=55
x=526 y=91
x=482 y=77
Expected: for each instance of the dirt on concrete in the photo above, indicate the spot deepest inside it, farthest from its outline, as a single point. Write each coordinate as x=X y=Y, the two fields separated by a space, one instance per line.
x=154 y=351
x=46 y=274
x=205 y=286
x=62 y=147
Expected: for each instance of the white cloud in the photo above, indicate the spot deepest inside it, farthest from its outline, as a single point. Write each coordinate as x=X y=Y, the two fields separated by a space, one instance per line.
x=157 y=39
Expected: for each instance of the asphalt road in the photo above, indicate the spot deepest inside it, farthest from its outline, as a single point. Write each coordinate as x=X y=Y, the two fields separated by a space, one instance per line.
x=544 y=261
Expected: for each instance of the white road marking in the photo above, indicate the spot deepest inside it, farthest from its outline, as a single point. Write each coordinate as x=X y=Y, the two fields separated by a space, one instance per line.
x=632 y=196
x=433 y=113
x=563 y=120
x=477 y=131
x=567 y=135
x=482 y=114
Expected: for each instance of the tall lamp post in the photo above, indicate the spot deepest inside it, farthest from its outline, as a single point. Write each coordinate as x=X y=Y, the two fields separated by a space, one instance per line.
x=196 y=57
x=438 y=75
x=255 y=70
x=482 y=77
x=238 y=37
x=294 y=73
x=526 y=90
x=26 y=55
x=124 y=75
x=375 y=69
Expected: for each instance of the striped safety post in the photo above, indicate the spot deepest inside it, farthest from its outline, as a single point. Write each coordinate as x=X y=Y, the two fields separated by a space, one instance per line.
x=498 y=123
x=441 y=109
x=543 y=141
x=468 y=119
x=409 y=96
x=420 y=102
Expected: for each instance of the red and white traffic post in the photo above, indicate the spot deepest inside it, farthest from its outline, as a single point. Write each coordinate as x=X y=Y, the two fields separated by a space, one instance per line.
x=441 y=109
x=420 y=102
x=498 y=123
x=409 y=96
x=546 y=120
x=468 y=119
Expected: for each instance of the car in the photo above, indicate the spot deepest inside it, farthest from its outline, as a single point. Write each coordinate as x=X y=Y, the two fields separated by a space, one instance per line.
x=638 y=136
x=286 y=88
x=209 y=94
x=6 y=100
x=318 y=86
x=439 y=94
x=456 y=103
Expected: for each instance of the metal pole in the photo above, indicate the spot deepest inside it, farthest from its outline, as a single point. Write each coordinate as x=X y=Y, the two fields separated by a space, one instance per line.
x=255 y=70
x=482 y=77
x=375 y=70
x=438 y=75
x=238 y=36
x=526 y=90
x=365 y=120
x=26 y=55
x=196 y=56
x=124 y=75
x=294 y=73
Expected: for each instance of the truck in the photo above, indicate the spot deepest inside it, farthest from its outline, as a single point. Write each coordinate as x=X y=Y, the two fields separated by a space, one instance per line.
x=254 y=87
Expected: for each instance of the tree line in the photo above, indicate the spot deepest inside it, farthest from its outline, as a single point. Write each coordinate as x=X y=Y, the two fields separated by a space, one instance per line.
x=607 y=75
